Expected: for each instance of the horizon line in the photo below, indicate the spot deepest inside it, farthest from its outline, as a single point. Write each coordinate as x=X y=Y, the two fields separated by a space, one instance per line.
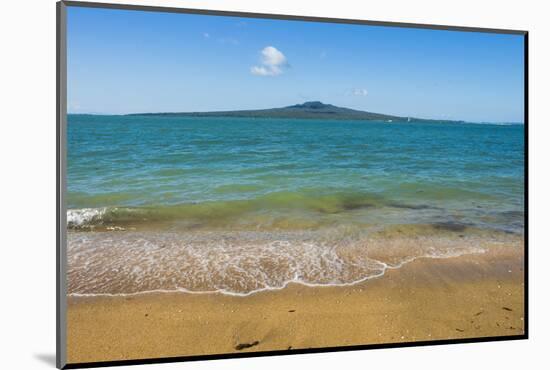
x=288 y=106
x=502 y=123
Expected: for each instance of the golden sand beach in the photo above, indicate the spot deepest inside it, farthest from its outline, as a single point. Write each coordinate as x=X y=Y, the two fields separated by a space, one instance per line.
x=470 y=296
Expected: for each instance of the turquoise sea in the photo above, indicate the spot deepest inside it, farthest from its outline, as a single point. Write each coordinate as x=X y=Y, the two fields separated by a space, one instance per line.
x=242 y=204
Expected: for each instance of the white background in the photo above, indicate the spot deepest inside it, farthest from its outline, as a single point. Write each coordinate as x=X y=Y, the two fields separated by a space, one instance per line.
x=27 y=154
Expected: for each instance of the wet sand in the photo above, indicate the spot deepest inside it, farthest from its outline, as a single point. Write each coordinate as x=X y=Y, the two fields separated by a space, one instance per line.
x=428 y=299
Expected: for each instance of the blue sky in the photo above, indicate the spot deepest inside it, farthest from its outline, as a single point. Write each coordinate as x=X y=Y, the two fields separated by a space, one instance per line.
x=122 y=61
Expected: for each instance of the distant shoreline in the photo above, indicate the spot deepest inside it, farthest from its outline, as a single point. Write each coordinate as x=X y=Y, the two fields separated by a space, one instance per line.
x=307 y=110
x=193 y=115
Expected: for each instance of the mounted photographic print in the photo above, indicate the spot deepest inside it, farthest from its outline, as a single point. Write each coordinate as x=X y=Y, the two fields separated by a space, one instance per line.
x=234 y=184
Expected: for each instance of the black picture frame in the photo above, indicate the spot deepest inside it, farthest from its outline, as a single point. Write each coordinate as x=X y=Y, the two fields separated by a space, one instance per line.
x=61 y=222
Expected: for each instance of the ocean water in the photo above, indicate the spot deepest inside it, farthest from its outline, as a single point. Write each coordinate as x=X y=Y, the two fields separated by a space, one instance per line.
x=239 y=205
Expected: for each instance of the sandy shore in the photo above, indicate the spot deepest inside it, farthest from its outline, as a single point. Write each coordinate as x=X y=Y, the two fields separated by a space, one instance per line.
x=427 y=299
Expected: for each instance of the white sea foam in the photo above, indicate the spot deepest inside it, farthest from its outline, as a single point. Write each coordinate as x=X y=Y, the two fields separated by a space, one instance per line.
x=295 y=280
x=84 y=216
x=240 y=264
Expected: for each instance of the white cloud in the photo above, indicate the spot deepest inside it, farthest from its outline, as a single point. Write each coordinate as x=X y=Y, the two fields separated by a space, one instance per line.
x=272 y=56
x=273 y=62
x=261 y=71
x=359 y=92
x=206 y=35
